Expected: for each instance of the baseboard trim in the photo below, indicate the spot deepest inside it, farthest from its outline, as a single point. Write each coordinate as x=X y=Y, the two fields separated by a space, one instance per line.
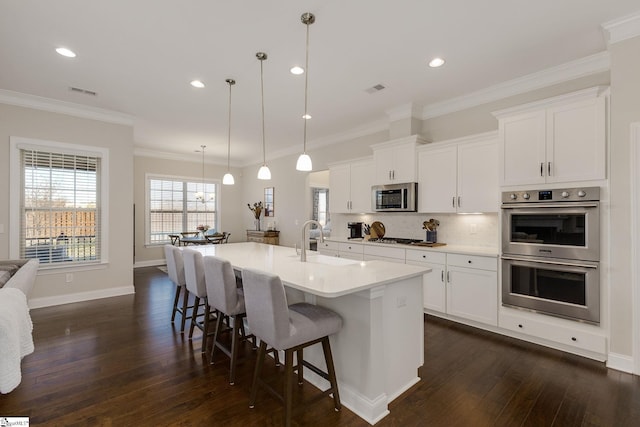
x=80 y=297
x=620 y=362
x=151 y=263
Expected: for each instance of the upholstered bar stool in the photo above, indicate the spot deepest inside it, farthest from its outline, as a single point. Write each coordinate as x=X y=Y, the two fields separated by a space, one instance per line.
x=288 y=328
x=175 y=270
x=194 y=277
x=224 y=295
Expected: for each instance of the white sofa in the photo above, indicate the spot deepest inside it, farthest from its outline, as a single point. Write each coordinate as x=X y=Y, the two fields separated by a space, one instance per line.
x=16 y=340
x=25 y=277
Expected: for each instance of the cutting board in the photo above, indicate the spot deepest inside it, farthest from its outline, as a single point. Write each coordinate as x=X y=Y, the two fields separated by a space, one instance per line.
x=427 y=244
x=377 y=230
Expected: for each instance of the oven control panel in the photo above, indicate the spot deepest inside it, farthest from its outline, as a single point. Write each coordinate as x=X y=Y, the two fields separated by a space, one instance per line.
x=555 y=195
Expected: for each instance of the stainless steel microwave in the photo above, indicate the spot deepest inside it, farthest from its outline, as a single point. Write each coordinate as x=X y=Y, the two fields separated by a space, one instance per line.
x=395 y=197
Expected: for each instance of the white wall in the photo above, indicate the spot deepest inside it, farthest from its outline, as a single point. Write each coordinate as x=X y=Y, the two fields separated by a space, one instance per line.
x=117 y=276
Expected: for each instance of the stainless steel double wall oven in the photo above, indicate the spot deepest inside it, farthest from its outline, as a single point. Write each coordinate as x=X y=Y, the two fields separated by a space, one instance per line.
x=551 y=252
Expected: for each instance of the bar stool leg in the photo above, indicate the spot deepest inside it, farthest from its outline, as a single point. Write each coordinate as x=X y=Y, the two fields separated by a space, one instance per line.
x=234 y=348
x=300 y=358
x=256 y=374
x=194 y=316
x=175 y=303
x=205 y=329
x=331 y=371
x=288 y=373
x=215 y=337
x=185 y=307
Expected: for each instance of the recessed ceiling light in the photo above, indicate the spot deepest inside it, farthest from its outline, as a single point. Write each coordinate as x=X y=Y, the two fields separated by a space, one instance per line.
x=436 y=62
x=306 y=116
x=197 y=83
x=297 y=70
x=66 y=52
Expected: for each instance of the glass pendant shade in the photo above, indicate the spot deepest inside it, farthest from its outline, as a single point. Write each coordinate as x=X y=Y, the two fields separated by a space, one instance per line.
x=304 y=163
x=227 y=179
x=264 y=172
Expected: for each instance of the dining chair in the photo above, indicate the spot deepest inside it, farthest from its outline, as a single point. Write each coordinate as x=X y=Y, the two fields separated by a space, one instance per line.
x=194 y=278
x=175 y=271
x=289 y=328
x=228 y=299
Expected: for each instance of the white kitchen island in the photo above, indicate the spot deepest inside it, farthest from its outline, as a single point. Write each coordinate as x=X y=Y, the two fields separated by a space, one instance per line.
x=381 y=345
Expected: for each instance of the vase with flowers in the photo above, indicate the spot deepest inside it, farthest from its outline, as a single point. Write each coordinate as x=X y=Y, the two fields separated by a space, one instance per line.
x=257 y=211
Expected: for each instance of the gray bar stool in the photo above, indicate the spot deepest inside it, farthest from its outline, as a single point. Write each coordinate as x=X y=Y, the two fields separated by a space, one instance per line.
x=288 y=328
x=175 y=270
x=194 y=277
x=224 y=295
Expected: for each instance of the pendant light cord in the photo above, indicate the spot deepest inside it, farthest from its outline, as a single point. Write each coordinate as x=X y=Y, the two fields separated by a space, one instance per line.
x=264 y=156
x=306 y=91
x=229 y=130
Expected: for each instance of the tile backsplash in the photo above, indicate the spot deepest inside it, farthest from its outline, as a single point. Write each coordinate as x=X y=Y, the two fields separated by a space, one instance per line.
x=455 y=229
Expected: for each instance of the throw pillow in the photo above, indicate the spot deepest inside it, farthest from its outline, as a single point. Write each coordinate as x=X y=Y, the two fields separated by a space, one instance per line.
x=11 y=268
x=4 y=278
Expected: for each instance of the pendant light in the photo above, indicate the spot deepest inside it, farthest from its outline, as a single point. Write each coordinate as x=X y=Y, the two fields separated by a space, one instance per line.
x=304 y=161
x=227 y=179
x=200 y=195
x=264 y=172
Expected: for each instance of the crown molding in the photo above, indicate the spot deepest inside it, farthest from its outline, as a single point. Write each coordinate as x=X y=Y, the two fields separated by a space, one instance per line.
x=69 y=108
x=622 y=28
x=164 y=155
x=593 y=64
x=405 y=111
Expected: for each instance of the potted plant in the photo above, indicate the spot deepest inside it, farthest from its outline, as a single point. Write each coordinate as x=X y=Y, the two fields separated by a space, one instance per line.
x=257 y=211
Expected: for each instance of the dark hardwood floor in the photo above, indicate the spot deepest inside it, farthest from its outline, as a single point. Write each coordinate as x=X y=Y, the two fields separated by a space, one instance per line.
x=119 y=361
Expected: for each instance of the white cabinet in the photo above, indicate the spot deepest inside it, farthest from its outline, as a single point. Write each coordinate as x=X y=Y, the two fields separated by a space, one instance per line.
x=459 y=176
x=384 y=253
x=465 y=287
x=562 y=139
x=395 y=161
x=350 y=187
x=328 y=248
x=341 y=249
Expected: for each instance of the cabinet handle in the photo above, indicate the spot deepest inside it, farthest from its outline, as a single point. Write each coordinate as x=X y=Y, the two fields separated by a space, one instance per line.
x=453 y=202
x=393 y=174
x=448 y=277
x=469 y=261
x=389 y=175
x=574 y=339
x=520 y=325
x=458 y=201
x=442 y=276
x=541 y=169
x=548 y=168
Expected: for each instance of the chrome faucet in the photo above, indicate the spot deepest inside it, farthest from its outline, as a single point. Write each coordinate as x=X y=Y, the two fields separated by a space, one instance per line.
x=303 y=250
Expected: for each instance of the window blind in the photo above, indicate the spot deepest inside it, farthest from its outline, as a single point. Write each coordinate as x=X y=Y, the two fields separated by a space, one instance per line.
x=173 y=207
x=60 y=207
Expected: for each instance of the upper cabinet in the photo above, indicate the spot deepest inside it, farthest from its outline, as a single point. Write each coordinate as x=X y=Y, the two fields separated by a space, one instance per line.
x=395 y=161
x=562 y=139
x=459 y=176
x=350 y=187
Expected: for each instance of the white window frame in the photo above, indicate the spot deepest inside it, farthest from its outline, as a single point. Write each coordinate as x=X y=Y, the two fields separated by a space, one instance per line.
x=16 y=144
x=147 y=206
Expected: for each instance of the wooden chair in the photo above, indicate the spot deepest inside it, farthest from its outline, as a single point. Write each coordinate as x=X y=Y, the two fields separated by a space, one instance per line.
x=290 y=329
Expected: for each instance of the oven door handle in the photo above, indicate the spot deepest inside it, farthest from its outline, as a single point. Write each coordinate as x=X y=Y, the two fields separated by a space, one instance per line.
x=549 y=205
x=545 y=261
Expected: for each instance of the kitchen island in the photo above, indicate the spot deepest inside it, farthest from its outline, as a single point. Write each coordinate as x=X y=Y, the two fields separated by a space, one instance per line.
x=381 y=345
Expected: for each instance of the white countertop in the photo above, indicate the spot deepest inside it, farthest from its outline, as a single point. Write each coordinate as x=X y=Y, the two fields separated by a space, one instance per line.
x=321 y=275
x=457 y=249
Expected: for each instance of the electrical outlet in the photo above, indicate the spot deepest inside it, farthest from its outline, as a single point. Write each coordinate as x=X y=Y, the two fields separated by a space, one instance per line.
x=69 y=277
x=473 y=228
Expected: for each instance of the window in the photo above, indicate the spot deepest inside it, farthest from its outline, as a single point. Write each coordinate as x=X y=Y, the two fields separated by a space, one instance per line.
x=178 y=204
x=320 y=205
x=58 y=202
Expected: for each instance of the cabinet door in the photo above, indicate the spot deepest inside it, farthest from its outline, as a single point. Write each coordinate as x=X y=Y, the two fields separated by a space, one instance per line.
x=339 y=184
x=472 y=294
x=434 y=287
x=361 y=173
x=404 y=164
x=437 y=180
x=522 y=148
x=478 y=189
x=576 y=141
x=383 y=165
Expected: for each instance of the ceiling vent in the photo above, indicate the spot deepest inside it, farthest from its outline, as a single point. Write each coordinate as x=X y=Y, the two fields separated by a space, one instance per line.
x=83 y=91
x=376 y=88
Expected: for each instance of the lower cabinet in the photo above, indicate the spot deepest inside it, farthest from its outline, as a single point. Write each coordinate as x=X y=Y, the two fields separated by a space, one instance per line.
x=464 y=286
x=341 y=250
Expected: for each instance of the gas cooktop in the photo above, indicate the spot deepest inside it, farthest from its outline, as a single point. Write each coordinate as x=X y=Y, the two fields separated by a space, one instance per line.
x=398 y=240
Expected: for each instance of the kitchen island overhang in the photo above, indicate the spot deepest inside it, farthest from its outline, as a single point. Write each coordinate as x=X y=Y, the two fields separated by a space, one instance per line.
x=381 y=345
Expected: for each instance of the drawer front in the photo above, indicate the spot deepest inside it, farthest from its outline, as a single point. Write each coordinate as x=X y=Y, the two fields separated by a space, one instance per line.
x=426 y=256
x=473 y=261
x=382 y=258
x=556 y=333
x=383 y=251
x=330 y=246
x=351 y=247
